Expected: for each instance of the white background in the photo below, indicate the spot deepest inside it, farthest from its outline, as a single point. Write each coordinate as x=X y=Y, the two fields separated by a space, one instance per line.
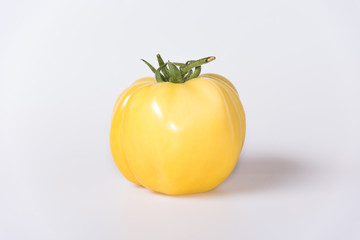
x=294 y=63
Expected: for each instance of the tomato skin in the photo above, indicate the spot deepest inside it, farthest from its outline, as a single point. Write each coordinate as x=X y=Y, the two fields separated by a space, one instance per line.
x=178 y=138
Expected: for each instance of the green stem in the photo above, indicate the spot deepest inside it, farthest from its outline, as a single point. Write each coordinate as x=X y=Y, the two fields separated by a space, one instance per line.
x=149 y=65
x=196 y=72
x=177 y=72
x=165 y=71
x=158 y=76
x=196 y=63
x=178 y=64
x=188 y=75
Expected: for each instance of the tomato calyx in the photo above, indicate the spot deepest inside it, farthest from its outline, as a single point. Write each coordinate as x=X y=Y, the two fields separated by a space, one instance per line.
x=177 y=72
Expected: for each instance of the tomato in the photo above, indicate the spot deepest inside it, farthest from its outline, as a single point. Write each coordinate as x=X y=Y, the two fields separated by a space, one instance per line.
x=178 y=137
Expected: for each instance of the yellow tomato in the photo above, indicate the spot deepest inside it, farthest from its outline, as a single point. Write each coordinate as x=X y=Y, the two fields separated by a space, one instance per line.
x=178 y=138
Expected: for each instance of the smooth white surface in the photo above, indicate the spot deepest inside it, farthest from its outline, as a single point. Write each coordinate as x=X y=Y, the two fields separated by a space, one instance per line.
x=294 y=63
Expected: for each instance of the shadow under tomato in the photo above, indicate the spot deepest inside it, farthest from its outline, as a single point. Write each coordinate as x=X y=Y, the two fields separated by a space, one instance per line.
x=260 y=173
